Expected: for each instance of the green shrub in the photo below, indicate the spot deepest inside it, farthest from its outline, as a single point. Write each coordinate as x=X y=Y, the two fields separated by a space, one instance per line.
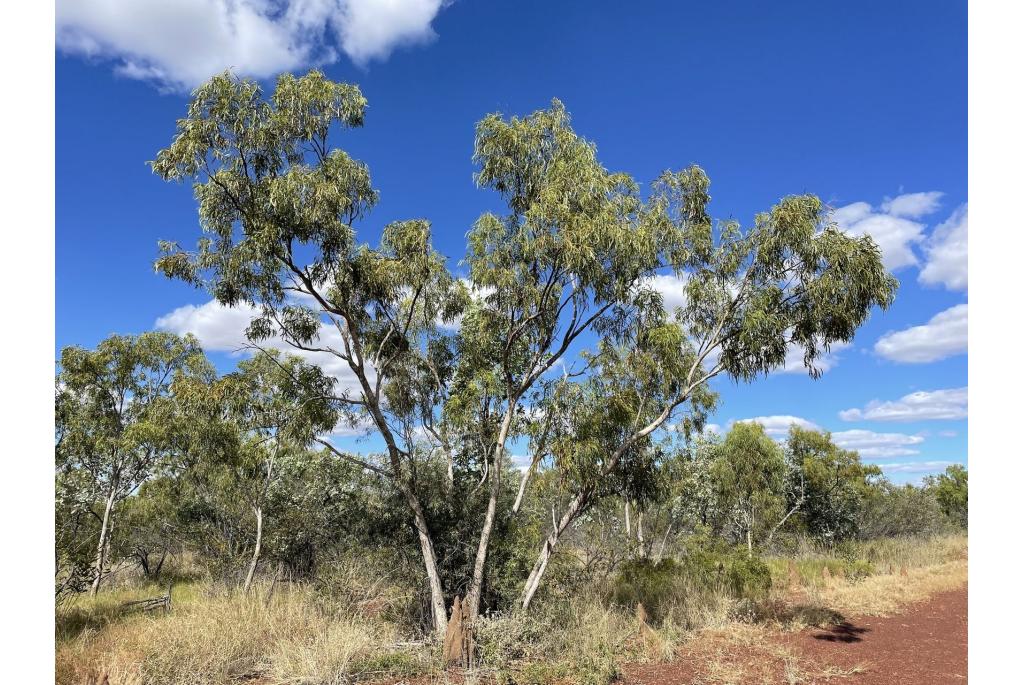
x=703 y=571
x=748 y=577
x=646 y=582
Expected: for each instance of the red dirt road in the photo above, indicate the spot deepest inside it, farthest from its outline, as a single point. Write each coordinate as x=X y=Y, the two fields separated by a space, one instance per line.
x=925 y=645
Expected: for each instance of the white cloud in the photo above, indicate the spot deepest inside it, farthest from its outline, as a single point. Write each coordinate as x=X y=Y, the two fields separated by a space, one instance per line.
x=671 y=288
x=222 y=329
x=825 y=362
x=219 y=328
x=946 y=253
x=946 y=404
x=912 y=205
x=871 y=444
x=370 y=29
x=945 y=335
x=521 y=461
x=181 y=43
x=778 y=426
x=915 y=467
x=947 y=434
x=891 y=226
x=347 y=429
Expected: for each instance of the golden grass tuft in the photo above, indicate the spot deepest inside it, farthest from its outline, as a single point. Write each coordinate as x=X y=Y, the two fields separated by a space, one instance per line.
x=225 y=638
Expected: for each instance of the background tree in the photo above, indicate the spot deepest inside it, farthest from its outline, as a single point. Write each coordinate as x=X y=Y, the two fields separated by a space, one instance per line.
x=267 y=413
x=149 y=530
x=828 y=485
x=117 y=419
x=906 y=510
x=749 y=472
x=950 y=490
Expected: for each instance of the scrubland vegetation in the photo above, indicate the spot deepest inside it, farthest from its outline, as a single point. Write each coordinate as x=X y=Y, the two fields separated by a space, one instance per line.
x=623 y=530
x=358 y=629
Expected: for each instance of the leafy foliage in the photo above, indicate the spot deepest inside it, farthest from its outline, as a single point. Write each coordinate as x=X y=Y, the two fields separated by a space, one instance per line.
x=950 y=490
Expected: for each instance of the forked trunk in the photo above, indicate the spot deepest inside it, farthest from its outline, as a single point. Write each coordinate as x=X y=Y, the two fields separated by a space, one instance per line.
x=258 y=511
x=159 y=565
x=471 y=606
x=541 y=565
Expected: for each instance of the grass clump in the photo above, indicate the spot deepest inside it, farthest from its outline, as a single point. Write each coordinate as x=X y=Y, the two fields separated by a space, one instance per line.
x=224 y=637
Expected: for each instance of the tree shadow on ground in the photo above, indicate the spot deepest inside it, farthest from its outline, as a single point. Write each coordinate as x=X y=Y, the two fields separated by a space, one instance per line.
x=842 y=632
x=813 y=615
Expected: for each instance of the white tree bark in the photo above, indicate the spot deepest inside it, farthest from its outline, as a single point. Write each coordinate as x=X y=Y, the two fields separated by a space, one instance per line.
x=257 y=548
x=472 y=602
x=101 y=547
x=437 y=610
x=539 y=566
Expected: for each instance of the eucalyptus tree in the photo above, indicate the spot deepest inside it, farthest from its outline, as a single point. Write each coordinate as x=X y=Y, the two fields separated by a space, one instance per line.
x=279 y=207
x=828 y=485
x=565 y=260
x=117 y=419
x=750 y=475
x=577 y=254
x=950 y=488
x=279 y=406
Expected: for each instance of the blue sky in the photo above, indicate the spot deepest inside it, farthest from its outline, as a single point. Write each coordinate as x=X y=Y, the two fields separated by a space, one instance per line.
x=864 y=104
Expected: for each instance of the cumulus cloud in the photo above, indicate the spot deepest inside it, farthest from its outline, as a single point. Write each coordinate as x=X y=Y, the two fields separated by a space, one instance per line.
x=946 y=253
x=891 y=225
x=945 y=335
x=912 y=205
x=825 y=362
x=671 y=288
x=778 y=426
x=219 y=328
x=946 y=404
x=181 y=43
x=915 y=467
x=222 y=329
x=870 y=444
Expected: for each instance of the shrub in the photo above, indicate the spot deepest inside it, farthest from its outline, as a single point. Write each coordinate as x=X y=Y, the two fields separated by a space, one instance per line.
x=703 y=571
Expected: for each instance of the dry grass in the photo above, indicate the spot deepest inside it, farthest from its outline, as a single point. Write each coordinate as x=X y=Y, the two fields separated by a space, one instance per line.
x=931 y=566
x=302 y=638
x=885 y=594
x=226 y=637
x=749 y=654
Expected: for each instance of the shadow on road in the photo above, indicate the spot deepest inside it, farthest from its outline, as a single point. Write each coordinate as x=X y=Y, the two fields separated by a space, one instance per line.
x=842 y=632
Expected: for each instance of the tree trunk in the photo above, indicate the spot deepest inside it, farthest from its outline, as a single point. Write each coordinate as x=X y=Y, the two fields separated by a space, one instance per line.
x=159 y=565
x=750 y=529
x=640 y=531
x=539 y=566
x=471 y=605
x=256 y=549
x=101 y=548
x=438 y=612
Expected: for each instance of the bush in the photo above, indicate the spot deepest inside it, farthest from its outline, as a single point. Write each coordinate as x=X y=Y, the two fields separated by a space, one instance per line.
x=702 y=571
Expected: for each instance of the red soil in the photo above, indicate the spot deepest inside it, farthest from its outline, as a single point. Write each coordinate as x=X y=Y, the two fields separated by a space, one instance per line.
x=926 y=645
